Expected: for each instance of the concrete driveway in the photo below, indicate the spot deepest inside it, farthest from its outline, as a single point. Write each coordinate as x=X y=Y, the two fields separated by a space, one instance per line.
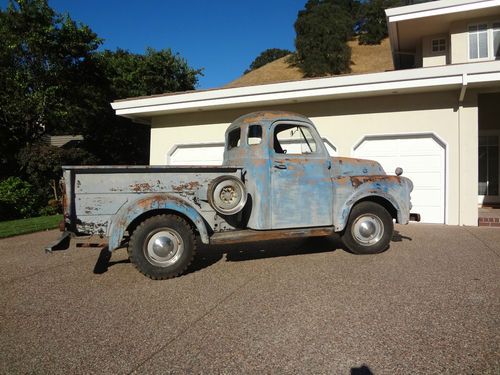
x=428 y=305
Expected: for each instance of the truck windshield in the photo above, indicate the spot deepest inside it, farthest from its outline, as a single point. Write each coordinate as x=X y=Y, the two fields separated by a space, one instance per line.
x=293 y=139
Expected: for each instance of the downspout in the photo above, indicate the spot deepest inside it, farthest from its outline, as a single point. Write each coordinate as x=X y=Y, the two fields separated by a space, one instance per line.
x=461 y=98
x=463 y=90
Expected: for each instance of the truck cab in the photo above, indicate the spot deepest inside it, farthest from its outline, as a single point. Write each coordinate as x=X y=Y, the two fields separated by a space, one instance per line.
x=293 y=182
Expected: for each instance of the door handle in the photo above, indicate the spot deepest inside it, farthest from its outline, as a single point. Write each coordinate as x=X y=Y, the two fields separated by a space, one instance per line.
x=280 y=166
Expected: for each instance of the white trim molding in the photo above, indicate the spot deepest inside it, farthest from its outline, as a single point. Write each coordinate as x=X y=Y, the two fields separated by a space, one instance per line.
x=437 y=8
x=349 y=86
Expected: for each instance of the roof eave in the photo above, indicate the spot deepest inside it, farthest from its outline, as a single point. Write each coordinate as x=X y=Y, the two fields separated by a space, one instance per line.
x=395 y=82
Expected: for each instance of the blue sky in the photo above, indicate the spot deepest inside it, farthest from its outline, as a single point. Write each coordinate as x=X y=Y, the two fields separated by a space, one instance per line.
x=221 y=36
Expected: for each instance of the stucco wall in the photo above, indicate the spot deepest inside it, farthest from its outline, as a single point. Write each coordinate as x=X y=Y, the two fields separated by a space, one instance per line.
x=345 y=122
x=430 y=58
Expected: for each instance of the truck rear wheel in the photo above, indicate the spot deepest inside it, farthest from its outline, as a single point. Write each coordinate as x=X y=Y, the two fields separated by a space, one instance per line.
x=369 y=229
x=162 y=246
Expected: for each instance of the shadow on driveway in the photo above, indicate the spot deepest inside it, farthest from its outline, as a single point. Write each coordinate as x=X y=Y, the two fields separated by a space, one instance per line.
x=208 y=255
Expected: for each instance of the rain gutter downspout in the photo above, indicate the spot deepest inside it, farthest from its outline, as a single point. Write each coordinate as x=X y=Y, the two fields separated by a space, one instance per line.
x=461 y=98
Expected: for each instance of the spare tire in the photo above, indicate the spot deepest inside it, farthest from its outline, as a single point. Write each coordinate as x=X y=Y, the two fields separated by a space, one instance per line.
x=227 y=195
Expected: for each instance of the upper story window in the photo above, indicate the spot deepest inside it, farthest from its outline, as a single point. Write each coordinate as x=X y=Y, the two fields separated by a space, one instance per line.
x=438 y=45
x=293 y=139
x=484 y=41
x=496 y=40
x=233 y=138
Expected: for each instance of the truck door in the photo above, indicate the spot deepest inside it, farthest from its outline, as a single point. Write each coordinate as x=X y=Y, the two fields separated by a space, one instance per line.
x=301 y=187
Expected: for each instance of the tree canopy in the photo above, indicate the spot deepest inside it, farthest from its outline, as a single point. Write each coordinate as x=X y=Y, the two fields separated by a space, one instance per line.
x=373 y=21
x=55 y=81
x=322 y=31
x=267 y=56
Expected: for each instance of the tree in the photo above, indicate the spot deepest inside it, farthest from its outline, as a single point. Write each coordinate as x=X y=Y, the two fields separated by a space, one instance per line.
x=40 y=163
x=49 y=81
x=323 y=29
x=374 y=25
x=54 y=81
x=267 y=56
x=116 y=140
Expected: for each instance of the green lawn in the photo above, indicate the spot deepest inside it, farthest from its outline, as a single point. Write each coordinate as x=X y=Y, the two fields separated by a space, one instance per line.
x=34 y=224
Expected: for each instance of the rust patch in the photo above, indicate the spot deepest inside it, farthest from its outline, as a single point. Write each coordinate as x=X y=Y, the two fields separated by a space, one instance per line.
x=358 y=180
x=343 y=180
x=343 y=159
x=141 y=187
x=186 y=186
x=250 y=235
x=267 y=115
x=148 y=202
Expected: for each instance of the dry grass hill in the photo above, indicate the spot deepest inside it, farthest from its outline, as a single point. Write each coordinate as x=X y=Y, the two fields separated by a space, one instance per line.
x=364 y=59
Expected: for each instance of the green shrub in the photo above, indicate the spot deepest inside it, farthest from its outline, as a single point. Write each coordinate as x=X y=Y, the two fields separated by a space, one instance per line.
x=16 y=199
x=53 y=208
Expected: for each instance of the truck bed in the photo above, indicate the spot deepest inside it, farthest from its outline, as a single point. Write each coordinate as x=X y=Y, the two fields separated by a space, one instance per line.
x=95 y=193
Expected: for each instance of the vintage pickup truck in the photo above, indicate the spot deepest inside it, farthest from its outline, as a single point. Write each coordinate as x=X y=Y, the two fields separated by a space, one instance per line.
x=277 y=181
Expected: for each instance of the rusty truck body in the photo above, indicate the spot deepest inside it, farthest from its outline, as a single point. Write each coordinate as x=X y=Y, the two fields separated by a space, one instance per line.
x=277 y=180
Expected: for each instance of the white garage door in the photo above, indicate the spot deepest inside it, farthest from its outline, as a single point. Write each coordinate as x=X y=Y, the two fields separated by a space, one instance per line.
x=423 y=161
x=208 y=154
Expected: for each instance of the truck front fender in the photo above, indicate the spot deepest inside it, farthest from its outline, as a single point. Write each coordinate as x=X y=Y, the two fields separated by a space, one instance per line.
x=132 y=210
x=341 y=214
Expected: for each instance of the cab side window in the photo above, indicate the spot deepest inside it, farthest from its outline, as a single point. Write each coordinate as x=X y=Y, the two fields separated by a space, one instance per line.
x=254 y=135
x=293 y=139
x=233 y=139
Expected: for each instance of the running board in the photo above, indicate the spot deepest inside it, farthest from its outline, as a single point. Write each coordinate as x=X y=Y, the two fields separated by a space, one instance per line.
x=250 y=235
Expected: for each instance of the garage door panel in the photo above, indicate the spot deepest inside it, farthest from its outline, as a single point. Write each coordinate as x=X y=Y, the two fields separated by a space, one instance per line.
x=424 y=180
x=197 y=155
x=430 y=214
x=424 y=198
x=423 y=161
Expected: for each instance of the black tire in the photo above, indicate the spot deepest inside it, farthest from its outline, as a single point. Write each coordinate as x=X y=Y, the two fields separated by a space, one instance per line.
x=369 y=229
x=162 y=246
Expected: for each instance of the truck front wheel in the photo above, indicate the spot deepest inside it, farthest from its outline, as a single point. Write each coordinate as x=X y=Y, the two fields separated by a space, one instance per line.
x=369 y=229
x=162 y=246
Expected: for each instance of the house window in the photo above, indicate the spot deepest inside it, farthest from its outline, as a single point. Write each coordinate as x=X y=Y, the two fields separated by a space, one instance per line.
x=438 y=45
x=496 y=40
x=478 y=41
x=484 y=41
x=488 y=165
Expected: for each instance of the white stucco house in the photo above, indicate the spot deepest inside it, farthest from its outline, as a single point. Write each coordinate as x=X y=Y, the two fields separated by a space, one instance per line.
x=437 y=115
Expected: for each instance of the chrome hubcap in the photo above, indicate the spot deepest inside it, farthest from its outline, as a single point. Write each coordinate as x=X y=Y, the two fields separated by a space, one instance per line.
x=164 y=248
x=228 y=195
x=367 y=229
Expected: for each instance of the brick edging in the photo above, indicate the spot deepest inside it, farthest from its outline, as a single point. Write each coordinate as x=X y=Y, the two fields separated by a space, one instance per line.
x=489 y=222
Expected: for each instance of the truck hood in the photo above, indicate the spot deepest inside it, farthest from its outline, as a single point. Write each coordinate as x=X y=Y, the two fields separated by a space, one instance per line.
x=342 y=166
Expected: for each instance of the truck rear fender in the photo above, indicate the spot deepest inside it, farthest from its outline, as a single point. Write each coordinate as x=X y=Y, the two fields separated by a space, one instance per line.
x=158 y=202
x=387 y=200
